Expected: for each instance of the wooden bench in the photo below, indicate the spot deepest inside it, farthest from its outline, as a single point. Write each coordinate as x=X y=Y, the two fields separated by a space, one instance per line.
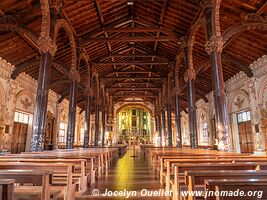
x=167 y=173
x=168 y=162
x=68 y=185
x=6 y=189
x=179 y=170
x=258 y=187
x=195 y=180
x=41 y=178
x=79 y=168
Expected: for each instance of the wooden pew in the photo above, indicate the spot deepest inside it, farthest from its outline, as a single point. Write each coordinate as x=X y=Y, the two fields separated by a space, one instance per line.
x=68 y=185
x=230 y=159
x=159 y=158
x=246 y=185
x=37 y=177
x=79 y=168
x=167 y=173
x=195 y=180
x=181 y=168
x=6 y=189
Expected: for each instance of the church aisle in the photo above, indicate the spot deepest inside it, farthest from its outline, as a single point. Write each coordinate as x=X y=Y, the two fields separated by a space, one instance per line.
x=129 y=174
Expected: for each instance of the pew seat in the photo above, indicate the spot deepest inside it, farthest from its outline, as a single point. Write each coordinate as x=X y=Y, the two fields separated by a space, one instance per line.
x=196 y=179
x=7 y=189
x=257 y=186
x=34 y=193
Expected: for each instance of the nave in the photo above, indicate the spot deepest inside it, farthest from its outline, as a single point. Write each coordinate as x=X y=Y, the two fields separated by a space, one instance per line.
x=82 y=81
x=160 y=173
x=130 y=174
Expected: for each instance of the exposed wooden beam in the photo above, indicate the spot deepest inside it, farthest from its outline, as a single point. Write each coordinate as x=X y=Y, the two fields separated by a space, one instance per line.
x=132 y=63
x=140 y=30
x=132 y=88
x=21 y=67
x=200 y=94
x=132 y=78
x=132 y=56
x=130 y=101
x=237 y=63
x=135 y=96
x=84 y=41
x=134 y=72
x=135 y=83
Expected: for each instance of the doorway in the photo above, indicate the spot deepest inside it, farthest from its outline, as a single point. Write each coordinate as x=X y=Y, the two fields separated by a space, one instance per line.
x=49 y=132
x=20 y=130
x=245 y=132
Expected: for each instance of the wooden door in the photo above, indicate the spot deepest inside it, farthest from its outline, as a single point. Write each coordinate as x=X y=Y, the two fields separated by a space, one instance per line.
x=245 y=137
x=19 y=137
x=263 y=126
x=49 y=132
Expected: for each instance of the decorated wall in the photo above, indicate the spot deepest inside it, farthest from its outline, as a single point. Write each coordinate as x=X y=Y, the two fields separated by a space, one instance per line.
x=19 y=96
x=243 y=95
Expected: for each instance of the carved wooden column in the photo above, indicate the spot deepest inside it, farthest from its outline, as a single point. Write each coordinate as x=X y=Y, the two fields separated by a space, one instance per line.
x=103 y=128
x=87 y=120
x=110 y=119
x=163 y=114
x=160 y=127
x=47 y=50
x=96 y=121
x=169 y=118
x=164 y=133
x=177 y=93
x=190 y=76
x=214 y=48
x=169 y=112
x=75 y=78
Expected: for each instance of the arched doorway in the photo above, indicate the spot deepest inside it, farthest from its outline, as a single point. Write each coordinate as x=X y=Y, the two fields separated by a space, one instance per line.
x=134 y=122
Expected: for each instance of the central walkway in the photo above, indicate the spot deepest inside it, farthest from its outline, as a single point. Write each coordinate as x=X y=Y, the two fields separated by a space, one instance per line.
x=130 y=174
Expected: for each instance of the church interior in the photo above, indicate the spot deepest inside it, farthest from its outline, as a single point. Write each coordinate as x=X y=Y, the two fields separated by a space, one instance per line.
x=133 y=99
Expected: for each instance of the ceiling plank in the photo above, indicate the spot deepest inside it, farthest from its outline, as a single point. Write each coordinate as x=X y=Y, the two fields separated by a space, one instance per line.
x=85 y=41
x=131 y=63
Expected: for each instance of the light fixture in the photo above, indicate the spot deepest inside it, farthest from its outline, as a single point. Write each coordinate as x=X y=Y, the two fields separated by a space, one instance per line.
x=130 y=3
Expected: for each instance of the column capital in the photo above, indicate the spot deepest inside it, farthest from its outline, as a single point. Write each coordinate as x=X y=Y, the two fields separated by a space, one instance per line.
x=57 y=5
x=177 y=90
x=190 y=74
x=45 y=45
x=204 y=4
x=215 y=43
x=74 y=75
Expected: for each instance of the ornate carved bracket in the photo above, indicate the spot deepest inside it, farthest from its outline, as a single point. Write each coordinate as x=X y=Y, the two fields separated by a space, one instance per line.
x=177 y=91
x=215 y=43
x=204 y=4
x=74 y=75
x=190 y=74
x=57 y=5
x=46 y=45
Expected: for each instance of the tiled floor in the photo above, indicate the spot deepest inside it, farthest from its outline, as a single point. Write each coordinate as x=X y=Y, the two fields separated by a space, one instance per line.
x=130 y=174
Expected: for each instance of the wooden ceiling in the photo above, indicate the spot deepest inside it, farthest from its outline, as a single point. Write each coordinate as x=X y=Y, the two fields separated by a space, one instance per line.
x=133 y=43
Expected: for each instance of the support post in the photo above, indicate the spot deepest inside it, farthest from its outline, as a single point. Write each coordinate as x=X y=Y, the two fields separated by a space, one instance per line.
x=87 y=124
x=74 y=77
x=96 y=122
x=169 y=118
x=214 y=48
x=103 y=128
x=178 y=130
x=190 y=76
x=39 y=117
x=47 y=50
x=163 y=127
